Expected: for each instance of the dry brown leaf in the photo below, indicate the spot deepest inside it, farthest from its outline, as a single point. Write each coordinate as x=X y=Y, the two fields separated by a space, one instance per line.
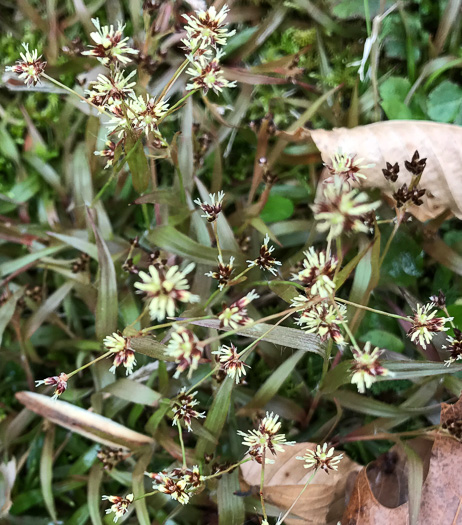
x=441 y=502
x=323 y=501
x=83 y=422
x=395 y=141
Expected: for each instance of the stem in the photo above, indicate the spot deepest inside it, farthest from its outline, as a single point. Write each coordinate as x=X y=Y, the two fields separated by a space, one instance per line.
x=344 y=324
x=367 y=15
x=107 y=354
x=390 y=239
x=183 y=452
x=215 y=232
x=232 y=467
x=183 y=189
x=177 y=105
x=296 y=499
x=202 y=380
x=395 y=316
x=72 y=92
x=262 y=480
x=146 y=495
x=181 y=321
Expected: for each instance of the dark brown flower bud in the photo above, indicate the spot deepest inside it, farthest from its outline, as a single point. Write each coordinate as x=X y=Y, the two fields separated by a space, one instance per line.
x=391 y=172
x=416 y=165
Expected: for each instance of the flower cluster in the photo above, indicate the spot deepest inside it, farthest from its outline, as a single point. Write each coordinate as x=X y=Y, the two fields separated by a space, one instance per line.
x=454 y=348
x=425 y=324
x=212 y=209
x=119 y=505
x=266 y=261
x=124 y=355
x=205 y=32
x=230 y=362
x=110 y=457
x=265 y=438
x=60 y=382
x=348 y=167
x=366 y=367
x=30 y=67
x=164 y=290
x=342 y=209
x=317 y=273
x=223 y=272
x=321 y=458
x=324 y=320
x=179 y=484
x=235 y=315
x=183 y=409
x=185 y=348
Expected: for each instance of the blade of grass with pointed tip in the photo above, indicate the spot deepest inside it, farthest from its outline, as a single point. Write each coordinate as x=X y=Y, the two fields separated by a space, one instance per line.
x=48 y=307
x=93 y=426
x=106 y=305
x=46 y=471
x=415 y=483
x=216 y=418
x=78 y=243
x=7 y=311
x=20 y=262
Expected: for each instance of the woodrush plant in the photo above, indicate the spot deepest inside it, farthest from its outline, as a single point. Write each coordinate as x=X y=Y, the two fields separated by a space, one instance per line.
x=342 y=209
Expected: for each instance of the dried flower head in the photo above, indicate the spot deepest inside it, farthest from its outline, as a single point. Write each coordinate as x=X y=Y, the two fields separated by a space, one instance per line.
x=417 y=165
x=176 y=488
x=317 y=273
x=108 y=153
x=321 y=458
x=402 y=195
x=425 y=324
x=223 y=272
x=183 y=409
x=110 y=47
x=454 y=347
x=207 y=29
x=105 y=90
x=212 y=209
x=124 y=355
x=348 y=167
x=185 y=347
x=265 y=438
x=207 y=74
x=236 y=315
x=391 y=172
x=342 y=208
x=119 y=505
x=59 y=381
x=230 y=362
x=110 y=457
x=165 y=289
x=265 y=260
x=30 y=67
x=366 y=367
x=439 y=300
x=323 y=319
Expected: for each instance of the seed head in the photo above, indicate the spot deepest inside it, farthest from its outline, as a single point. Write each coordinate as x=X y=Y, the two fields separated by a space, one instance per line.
x=30 y=67
x=185 y=347
x=265 y=260
x=366 y=367
x=119 y=505
x=183 y=409
x=223 y=272
x=348 y=167
x=212 y=209
x=425 y=324
x=59 y=381
x=236 y=315
x=323 y=319
x=321 y=458
x=230 y=362
x=317 y=273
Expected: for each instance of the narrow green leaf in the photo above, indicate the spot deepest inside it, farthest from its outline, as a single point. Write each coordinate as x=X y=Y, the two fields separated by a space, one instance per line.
x=78 y=243
x=48 y=307
x=7 y=311
x=80 y=516
x=94 y=493
x=150 y=347
x=137 y=162
x=216 y=418
x=415 y=483
x=133 y=391
x=46 y=471
x=18 y=263
x=274 y=382
x=231 y=509
x=106 y=306
x=138 y=486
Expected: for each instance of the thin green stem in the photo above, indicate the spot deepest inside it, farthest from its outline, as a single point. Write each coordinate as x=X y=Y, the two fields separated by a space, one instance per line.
x=344 y=323
x=176 y=106
x=72 y=92
x=202 y=380
x=262 y=481
x=367 y=15
x=215 y=233
x=174 y=78
x=381 y=312
x=390 y=239
x=107 y=354
x=281 y=520
x=183 y=451
x=232 y=467
x=182 y=187
x=146 y=495
x=178 y=321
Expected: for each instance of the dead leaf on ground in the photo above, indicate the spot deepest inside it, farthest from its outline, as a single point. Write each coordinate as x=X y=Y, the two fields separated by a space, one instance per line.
x=395 y=141
x=323 y=501
x=93 y=426
x=441 y=501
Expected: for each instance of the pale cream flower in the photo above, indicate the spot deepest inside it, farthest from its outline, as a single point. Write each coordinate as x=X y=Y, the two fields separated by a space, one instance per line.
x=235 y=315
x=321 y=458
x=366 y=367
x=183 y=409
x=207 y=74
x=266 y=261
x=425 y=325
x=207 y=29
x=30 y=68
x=318 y=273
x=348 y=167
x=60 y=382
x=230 y=362
x=213 y=208
x=119 y=505
x=185 y=347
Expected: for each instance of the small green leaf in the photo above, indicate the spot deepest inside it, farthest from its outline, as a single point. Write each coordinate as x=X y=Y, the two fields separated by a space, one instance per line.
x=231 y=509
x=137 y=162
x=46 y=471
x=138 y=486
x=444 y=102
x=94 y=493
x=277 y=209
